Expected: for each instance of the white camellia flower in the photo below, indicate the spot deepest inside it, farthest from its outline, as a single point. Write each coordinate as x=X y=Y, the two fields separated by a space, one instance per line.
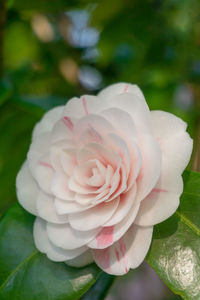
x=100 y=172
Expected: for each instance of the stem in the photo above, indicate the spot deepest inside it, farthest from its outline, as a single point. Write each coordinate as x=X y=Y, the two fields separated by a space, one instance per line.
x=2 y=25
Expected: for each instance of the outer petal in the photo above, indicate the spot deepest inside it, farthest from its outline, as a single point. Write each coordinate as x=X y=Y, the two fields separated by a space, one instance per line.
x=119 y=88
x=45 y=246
x=46 y=209
x=62 y=235
x=163 y=201
x=27 y=189
x=47 y=122
x=128 y=252
x=87 y=104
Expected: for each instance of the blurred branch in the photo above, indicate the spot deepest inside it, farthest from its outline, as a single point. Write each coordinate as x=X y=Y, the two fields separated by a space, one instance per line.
x=2 y=24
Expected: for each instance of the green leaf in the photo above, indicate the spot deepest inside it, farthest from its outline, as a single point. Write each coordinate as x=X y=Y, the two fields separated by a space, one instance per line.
x=175 y=250
x=100 y=289
x=26 y=274
x=16 y=124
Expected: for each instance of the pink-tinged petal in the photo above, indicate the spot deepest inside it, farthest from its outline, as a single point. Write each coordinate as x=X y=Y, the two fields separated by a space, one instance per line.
x=113 y=260
x=151 y=166
x=62 y=130
x=119 y=146
x=136 y=107
x=120 y=88
x=46 y=209
x=44 y=174
x=68 y=159
x=59 y=187
x=82 y=260
x=135 y=164
x=85 y=172
x=140 y=238
x=127 y=253
x=78 y=108
x=64 y=236
x=93 y=217
x=158 y=205
x=91 y=128
x=75 y=187
x=91 y=199
x=126 y=129
x=105 y=155
x=38 y=149
x=83 y=155
x=126 y=201
x=47 y=122
x=44 y=245
x=163 y=200
x=59 y=149
x=106 y=238
x=27 y=189
x=69 y=207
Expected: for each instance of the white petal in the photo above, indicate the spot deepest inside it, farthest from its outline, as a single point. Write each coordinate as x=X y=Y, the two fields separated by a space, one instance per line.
x=91 y=128
x=68 y=207
x=47 y=211
x=93 y=217
x=136 y=107
x=87 y=104
x=151 y=165
x=176 y=146
x=120 y=88
x=38 y=148
x=62 y=235
x=27 y=189
x=126 y=127
x=109 y=235
x=47 y=122
x=62 y=130
x=126 y=201
x=59 y=187
x=82 y=260
x=44 y=174
x=128 y=252
x=45 y=246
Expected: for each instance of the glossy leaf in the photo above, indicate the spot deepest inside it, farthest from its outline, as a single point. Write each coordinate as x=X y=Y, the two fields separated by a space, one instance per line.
x=175 y=250
x=26 y=274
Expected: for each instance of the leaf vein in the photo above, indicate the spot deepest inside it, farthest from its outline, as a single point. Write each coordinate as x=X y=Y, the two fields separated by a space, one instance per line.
x=17 y=268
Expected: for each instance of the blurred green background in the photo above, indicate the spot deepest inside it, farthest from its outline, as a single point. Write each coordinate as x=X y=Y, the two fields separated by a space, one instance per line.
x=52 y=50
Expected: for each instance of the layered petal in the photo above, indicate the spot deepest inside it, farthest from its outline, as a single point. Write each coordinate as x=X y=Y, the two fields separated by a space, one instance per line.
x=27 y=189
x=128 y=252
x=163 y=200
x=44 y=245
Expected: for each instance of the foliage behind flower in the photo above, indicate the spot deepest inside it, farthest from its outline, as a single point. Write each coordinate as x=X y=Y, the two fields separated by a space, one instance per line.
x=100 y=172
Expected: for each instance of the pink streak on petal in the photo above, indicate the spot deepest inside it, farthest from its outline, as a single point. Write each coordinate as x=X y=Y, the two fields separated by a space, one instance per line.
x=68 y=122
x=117 y=255
x=95 y=135
x=159 y=191
x=105 y=236
x=122 y=248
x=126 y=89
x=44 y=164
x=84 y=105
x=103 y=257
